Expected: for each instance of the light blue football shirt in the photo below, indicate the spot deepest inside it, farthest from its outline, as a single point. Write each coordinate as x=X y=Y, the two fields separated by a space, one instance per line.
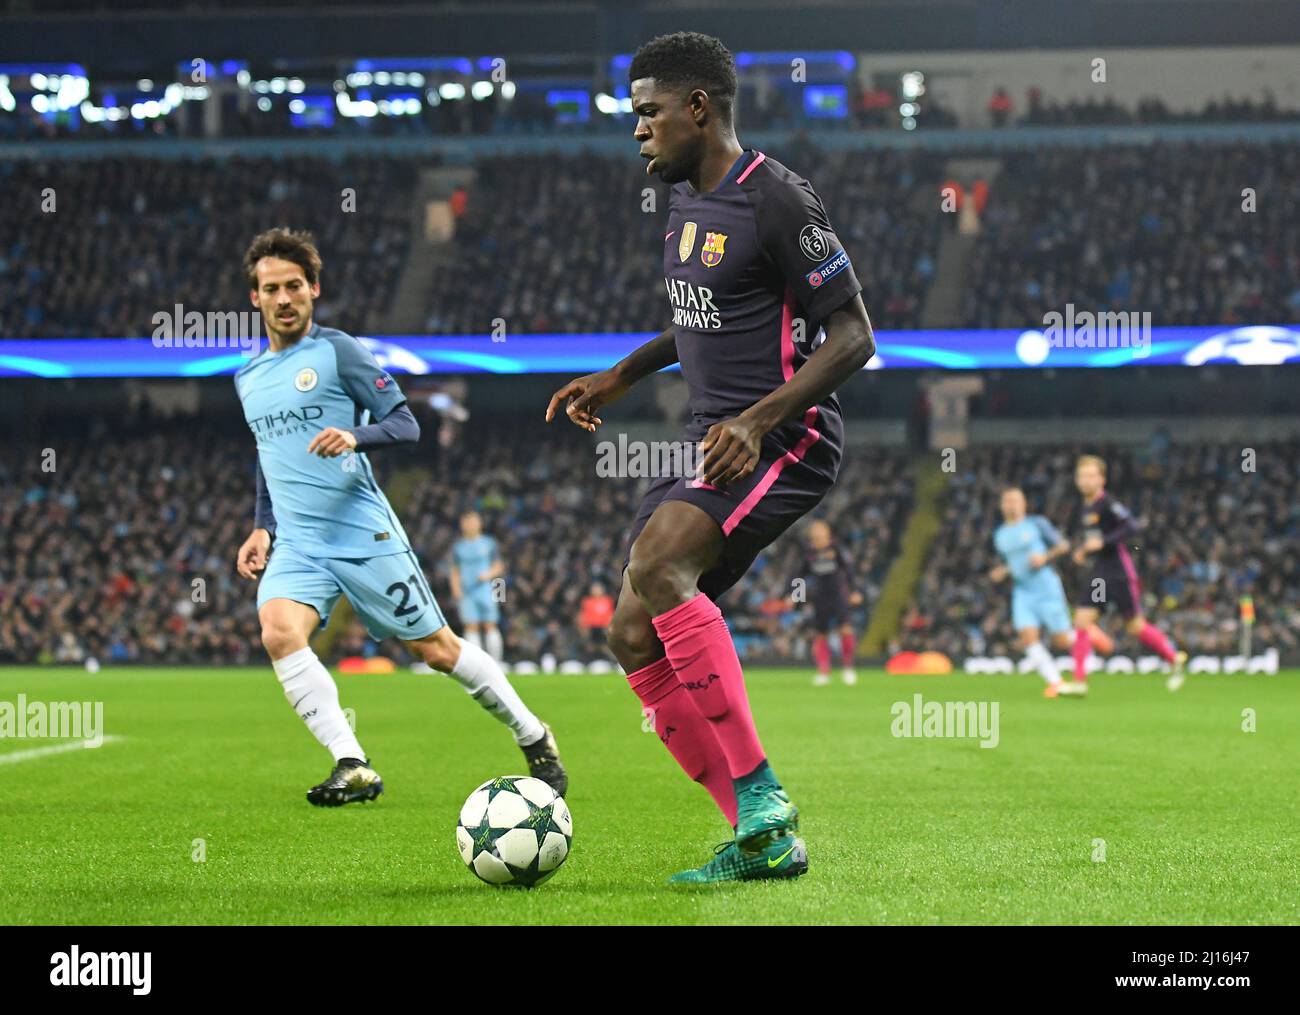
x=473 y=557
x=1017 y=542
x=324 y=507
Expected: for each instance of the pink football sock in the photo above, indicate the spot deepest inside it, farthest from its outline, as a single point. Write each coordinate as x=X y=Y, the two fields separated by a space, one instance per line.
x=1154 y=638
x=685 y=732
x=822 y=654
x=848 y=643
x=1082 y=648
x=701 y=651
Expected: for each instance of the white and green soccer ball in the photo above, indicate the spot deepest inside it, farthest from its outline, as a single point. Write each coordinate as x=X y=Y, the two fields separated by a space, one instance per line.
x=514 y=831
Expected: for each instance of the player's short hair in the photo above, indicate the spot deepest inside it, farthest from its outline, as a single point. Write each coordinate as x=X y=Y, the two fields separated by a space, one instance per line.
x=1013 y=489
x=287 y=245
x=684 y=61
x=1096 y=460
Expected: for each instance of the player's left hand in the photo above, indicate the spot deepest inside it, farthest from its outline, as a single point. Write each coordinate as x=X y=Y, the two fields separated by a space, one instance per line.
x=1037 y=560
x=731 y=450
x=332 y=442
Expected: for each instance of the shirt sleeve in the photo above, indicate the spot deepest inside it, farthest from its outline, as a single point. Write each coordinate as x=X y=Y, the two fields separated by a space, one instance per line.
x=263 y=515
x=1123 y=524
x=369 y=384
x=795 y=233
x=398 y=427
x=1048 y=531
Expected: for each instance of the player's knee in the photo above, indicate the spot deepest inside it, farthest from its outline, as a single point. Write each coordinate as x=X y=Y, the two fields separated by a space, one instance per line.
x=657 y=578
x=281 y=639
x=442 y=651
x=631 y=638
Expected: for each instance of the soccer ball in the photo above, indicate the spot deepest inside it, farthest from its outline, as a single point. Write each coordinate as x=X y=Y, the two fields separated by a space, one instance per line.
x=514 y=831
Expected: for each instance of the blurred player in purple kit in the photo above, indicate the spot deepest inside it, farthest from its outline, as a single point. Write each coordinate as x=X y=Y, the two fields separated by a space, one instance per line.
x=832 y=596
x=1110 y=576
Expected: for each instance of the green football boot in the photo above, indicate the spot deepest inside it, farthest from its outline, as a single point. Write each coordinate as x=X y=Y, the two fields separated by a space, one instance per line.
x=765 y=816
x=786 y=858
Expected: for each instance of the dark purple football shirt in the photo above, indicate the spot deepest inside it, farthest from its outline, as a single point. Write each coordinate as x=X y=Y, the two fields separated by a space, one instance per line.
x=1111 y=520
x=752 y=271
x=828 y=570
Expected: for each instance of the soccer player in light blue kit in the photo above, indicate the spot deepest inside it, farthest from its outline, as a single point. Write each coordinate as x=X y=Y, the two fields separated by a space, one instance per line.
x=475 y=566
x=1027 y=545
x=310 y=400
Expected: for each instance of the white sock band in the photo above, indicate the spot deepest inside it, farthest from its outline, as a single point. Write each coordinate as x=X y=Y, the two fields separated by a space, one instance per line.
x=483 y=679
x=315 y=697
x=1043 y=662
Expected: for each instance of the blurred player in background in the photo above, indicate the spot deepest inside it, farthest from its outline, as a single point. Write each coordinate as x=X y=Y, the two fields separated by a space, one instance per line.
x=1027 y=545
x=747 y=251
x=305 y=398
x=1109 y=576
x=476 y=564
x=831 y=593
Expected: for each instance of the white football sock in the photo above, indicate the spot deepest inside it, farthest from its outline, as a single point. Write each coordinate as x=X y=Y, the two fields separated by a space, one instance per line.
x=474 y=638
x=483 y=679
x=494 y=645
x=315 y=697
x=1043 y=662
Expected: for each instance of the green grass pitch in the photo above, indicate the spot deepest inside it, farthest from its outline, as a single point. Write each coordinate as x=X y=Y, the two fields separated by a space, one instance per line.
x=1199 y=818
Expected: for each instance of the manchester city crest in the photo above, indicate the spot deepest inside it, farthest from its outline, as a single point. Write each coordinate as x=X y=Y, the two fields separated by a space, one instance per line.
x=306 y=379
x=712 y=251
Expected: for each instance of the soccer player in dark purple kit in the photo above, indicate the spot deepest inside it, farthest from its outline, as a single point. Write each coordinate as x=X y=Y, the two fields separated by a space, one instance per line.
x=753 y=271
x=1110 y=576
x=831 y=595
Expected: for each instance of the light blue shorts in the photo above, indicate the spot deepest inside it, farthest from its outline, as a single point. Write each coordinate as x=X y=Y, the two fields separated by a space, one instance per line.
x=1046 y=610
x=389 y=593
x=479 y=607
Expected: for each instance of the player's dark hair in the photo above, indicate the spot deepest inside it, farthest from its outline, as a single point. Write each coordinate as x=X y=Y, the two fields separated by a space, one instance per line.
x=288 y=245
x=685 y=61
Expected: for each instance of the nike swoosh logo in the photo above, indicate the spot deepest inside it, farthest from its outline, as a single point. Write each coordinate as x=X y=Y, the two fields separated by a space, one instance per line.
x=777 y=862
x=409 y=623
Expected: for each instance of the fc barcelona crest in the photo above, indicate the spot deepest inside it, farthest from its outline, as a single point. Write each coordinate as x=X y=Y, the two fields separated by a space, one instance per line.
x=712 y=251
x=687 y=243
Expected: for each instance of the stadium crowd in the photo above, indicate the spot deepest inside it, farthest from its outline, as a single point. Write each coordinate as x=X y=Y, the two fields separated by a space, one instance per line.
x=1211 y=532
x=568 y=242
x=1166 y=229
x=563 y=242
x=96 y=248
x=122 y=546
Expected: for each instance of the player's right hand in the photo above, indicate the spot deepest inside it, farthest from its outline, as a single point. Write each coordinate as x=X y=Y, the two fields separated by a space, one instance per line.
x=252 y=555
x=585 y=395
x=998 y=573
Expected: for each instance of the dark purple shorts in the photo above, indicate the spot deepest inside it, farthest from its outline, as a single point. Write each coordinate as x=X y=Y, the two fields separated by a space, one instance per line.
x=793 y=475
x=1114 y=584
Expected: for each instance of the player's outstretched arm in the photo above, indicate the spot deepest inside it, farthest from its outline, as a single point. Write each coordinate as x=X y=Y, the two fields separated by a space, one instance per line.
x=587 y=394
x=253 y=553
x=731 y=447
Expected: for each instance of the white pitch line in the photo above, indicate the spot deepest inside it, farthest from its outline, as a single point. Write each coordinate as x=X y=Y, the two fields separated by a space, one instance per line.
x=13 y=757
